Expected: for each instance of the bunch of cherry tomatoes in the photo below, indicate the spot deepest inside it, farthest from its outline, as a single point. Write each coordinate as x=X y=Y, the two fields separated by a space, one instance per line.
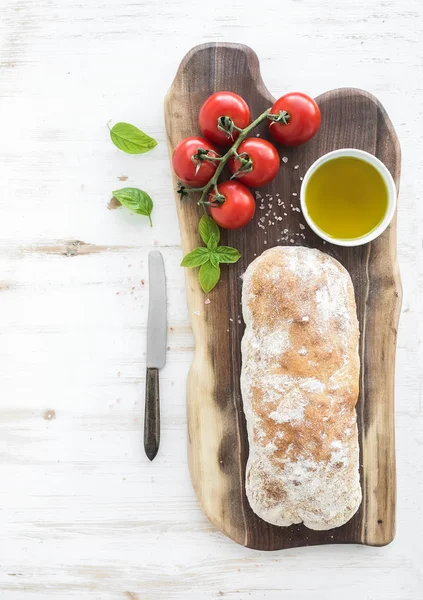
x=254 y=162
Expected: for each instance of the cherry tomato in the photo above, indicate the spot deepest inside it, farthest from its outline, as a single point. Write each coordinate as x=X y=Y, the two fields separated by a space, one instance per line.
x=223 y=104
x=238 y=207
x=303 y=123
x=185 y=168
x=265 y=162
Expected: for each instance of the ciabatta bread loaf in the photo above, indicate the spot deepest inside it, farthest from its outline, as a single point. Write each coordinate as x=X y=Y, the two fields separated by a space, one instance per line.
x=299 y=382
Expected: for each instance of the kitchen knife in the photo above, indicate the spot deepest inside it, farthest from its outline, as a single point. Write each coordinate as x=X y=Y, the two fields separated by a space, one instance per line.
x=156 y=351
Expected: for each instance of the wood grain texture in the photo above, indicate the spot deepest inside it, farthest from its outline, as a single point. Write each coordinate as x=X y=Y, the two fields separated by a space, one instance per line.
x=218 y=445
x=152 y=413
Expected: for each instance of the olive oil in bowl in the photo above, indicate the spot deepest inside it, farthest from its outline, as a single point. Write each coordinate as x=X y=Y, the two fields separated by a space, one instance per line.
x=348 y=197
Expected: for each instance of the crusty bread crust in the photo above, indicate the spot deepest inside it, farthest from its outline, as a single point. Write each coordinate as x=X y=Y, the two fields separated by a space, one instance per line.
x=299 y=382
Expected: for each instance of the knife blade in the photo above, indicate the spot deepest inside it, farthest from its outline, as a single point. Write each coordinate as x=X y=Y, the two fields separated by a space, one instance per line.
x=156 y=351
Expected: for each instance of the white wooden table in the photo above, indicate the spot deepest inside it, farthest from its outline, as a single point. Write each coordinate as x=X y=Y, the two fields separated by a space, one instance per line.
x=83 y=513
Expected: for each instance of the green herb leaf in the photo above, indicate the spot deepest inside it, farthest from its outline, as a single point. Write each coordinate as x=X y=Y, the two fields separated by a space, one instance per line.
x=214 y=259
x=135 y=200
x=130 y=139
x=226 y=254
x=212 y=243
x=208 y=276
x=207 y=227
x=196 y=258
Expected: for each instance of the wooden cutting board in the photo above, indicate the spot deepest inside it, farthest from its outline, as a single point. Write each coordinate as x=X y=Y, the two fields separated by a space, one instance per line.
x=217 y=437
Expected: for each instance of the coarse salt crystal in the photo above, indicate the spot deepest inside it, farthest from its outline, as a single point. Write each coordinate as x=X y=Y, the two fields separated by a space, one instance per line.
x=285 y=159
x=296 y=166
x=302 y=226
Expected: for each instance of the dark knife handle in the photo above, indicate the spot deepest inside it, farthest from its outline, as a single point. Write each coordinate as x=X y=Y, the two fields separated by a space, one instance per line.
x=152 y=413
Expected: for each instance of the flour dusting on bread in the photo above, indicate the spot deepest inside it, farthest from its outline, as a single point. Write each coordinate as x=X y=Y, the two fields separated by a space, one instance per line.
x=299 y=383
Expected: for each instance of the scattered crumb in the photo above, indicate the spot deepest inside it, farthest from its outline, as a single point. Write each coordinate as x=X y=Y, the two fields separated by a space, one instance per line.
x=49 y=415
x=123 y=178
x=117 y=293
x=301 y=178
x=302 y=226
x=239 y=321
x=114 y=203
x=305 y=319
x=265 y=242
x=294 y=194
x=207 y=301
x=302 y=351
x=197 y=312
x=296 y=166
x=292 y=241
x=231 y=320
x=285 y=159
x=142 y=281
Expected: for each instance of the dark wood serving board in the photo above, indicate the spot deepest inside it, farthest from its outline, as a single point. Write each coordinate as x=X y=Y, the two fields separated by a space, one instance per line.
x=217 y=437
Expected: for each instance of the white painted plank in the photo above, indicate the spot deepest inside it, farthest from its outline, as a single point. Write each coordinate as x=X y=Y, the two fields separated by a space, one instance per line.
x=83 y=512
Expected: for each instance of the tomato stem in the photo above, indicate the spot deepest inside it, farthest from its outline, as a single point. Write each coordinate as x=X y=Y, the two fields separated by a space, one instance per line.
x=282 y=117
x=222 y=122
x=231 y=152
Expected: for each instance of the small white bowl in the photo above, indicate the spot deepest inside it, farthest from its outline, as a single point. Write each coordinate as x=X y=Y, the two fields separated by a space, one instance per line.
x=387 y=177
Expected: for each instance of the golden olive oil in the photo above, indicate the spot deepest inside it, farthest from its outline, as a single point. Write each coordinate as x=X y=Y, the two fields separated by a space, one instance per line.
x=346 y=197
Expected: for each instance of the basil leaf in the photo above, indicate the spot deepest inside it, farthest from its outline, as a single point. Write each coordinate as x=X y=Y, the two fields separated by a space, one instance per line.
x=136 y=201
x=130 y=139
x=226 y=254
x=208 y=276
x=196 y=258
x=212 y=243
x=207 y=227
x=214 y=259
